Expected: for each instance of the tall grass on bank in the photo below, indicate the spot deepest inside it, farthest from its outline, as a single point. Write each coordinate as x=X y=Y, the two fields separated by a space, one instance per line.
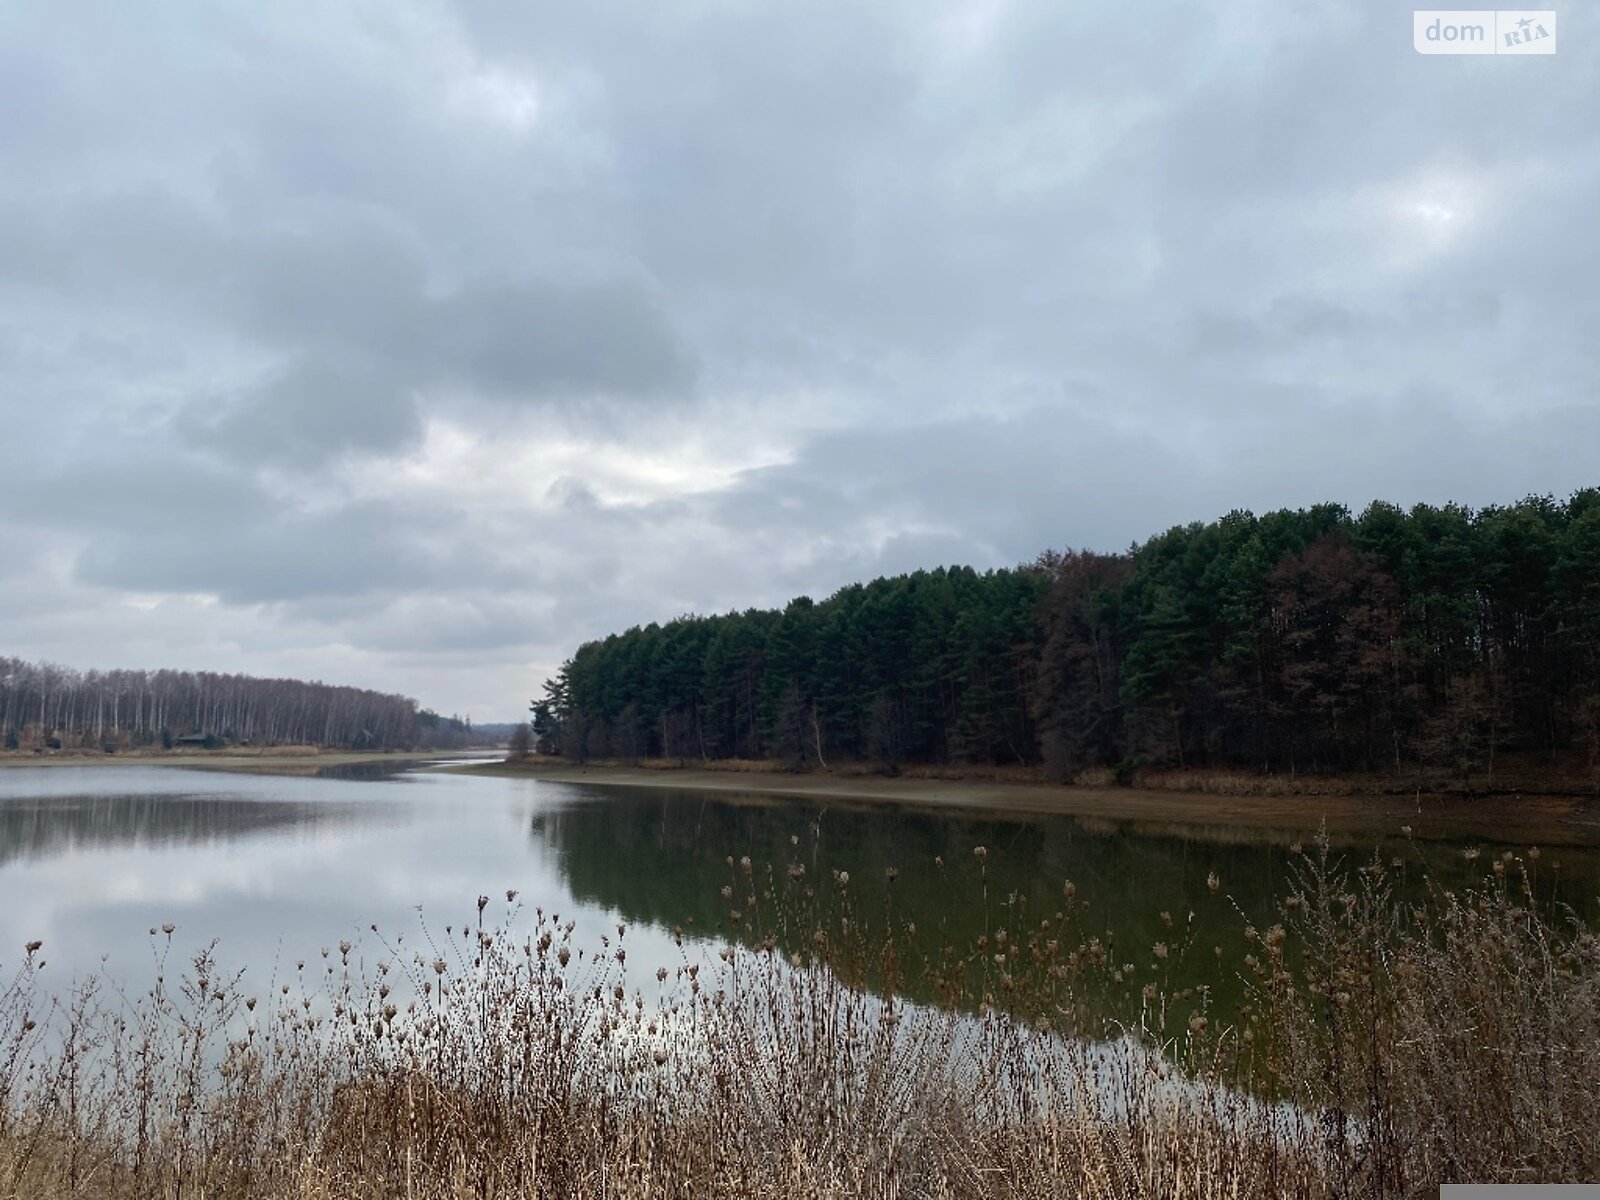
x=1384 y=1047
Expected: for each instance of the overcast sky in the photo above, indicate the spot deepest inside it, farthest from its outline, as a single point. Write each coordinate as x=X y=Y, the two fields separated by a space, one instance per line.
x=411 y=344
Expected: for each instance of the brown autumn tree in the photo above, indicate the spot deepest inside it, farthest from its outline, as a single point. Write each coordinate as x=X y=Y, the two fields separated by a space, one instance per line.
x=1334 y=627
x=1076 y=701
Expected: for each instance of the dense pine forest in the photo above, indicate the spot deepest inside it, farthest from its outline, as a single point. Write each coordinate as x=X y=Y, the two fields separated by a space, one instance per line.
x=43 y=706
x=1439 y=638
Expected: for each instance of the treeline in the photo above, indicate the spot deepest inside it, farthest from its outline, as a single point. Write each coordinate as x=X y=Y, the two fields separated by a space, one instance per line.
x=933 y=666
x=1439 y=638
x=46 y=706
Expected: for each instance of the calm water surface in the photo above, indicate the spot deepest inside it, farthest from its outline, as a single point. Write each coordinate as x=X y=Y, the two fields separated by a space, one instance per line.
x=276 y=868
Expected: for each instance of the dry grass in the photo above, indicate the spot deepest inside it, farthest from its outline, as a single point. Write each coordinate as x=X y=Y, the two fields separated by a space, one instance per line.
x=1515 y=778
x=1244 y=783
x=1384 y=1048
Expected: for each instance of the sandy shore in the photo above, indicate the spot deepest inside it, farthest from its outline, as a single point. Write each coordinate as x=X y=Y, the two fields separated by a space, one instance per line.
x=1531 y=819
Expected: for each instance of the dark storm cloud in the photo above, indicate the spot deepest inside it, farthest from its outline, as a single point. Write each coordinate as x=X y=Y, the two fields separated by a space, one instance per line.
x=460 y=332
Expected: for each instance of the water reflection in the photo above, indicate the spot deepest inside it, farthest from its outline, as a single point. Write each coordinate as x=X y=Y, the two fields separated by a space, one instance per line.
x=33 y=827
x=662 y=857
x=277 y=868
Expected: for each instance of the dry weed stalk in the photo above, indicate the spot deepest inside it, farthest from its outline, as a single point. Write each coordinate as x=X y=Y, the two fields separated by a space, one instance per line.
x=1383 y=1047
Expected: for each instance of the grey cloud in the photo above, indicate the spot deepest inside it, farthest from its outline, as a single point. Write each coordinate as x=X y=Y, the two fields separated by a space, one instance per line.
x=311 y=413
x=294 y=558
x=542 y=337
x=130 y=489
x=994 y=492
x=449 y=625
x=350 y=283
x=979 y=279
x=570 y=493
x=354 y=287
x=159 y=520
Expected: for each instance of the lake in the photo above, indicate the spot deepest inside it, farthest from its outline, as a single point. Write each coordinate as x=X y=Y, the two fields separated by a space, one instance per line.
x=276 y=869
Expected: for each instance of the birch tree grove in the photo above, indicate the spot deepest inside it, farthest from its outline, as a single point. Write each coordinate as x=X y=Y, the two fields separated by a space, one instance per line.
x=43 y=704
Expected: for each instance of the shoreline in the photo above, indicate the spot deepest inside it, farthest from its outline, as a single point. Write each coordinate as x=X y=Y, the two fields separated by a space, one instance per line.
x=1531 y=818
x=296 y=760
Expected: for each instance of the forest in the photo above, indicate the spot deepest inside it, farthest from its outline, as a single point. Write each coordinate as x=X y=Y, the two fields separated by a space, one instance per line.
x=1442 y=639
x=43 y=706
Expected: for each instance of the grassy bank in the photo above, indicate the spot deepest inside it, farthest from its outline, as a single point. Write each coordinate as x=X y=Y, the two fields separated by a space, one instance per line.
x=1543 y=818
x=1382 y=1048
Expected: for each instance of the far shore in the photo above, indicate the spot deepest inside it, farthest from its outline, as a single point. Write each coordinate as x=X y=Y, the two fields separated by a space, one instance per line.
x=1527 y=818
x=277 y=760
